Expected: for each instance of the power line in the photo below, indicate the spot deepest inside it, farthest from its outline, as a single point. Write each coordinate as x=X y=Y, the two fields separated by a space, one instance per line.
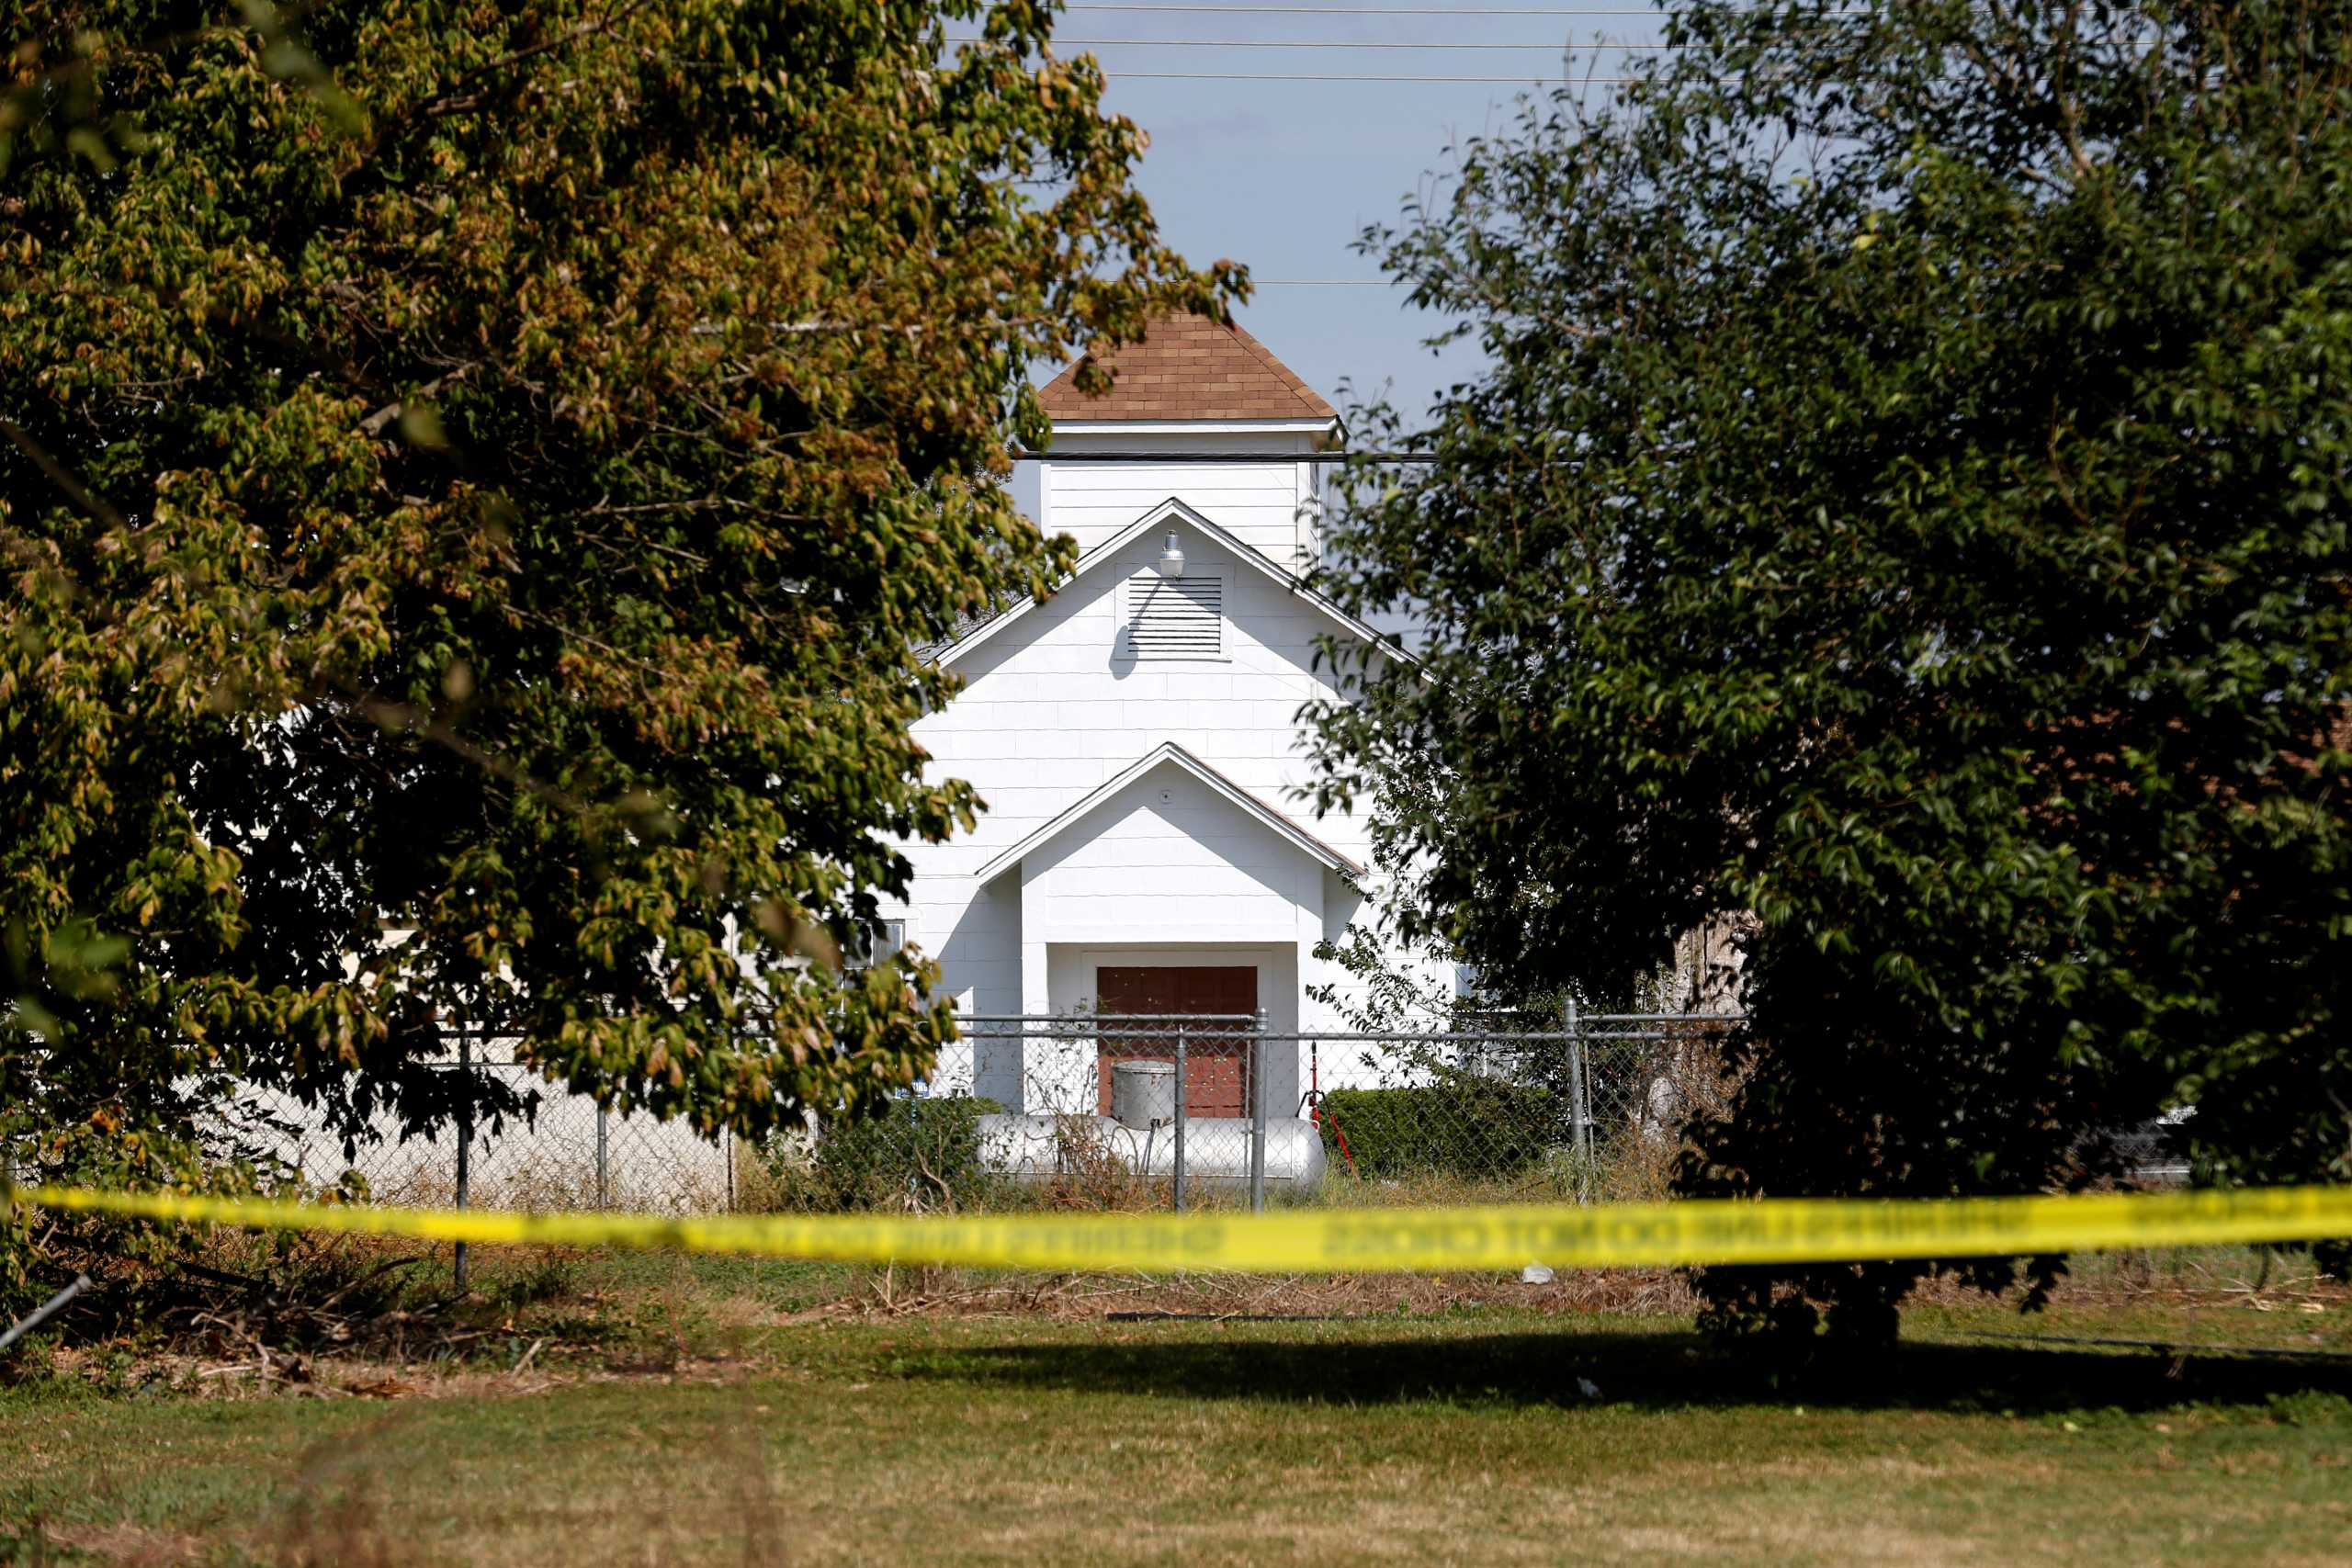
x=1364 y=10
x=1650 y=16
x=1555 y=46
x=1286 y=76
x=1162 y=460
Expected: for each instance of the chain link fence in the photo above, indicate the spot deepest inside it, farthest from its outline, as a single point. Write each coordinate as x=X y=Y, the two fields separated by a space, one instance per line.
x=1087 y=1111
x=563 y=1152
x=1105 y=1112
x=1063 y=1111
x=1591 y=1111
x=1205 y=1110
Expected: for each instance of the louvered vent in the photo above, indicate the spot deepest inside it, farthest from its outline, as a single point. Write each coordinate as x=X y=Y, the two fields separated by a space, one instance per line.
x=1176 y=617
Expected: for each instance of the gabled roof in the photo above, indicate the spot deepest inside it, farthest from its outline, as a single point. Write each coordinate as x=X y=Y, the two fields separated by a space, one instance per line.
x=1167 y=511
x=1169 y=752
x=1188 y=367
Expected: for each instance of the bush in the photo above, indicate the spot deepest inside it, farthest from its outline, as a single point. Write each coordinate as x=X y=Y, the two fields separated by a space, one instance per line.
x=1461 y=1126
x=916 y=1153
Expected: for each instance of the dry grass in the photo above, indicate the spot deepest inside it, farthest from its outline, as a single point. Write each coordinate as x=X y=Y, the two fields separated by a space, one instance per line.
x=586 y=1409
x=1448 y=1432
x=547 y=1183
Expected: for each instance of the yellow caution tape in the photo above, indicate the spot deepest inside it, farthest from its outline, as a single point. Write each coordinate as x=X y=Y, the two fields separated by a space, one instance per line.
x=1303 y=1241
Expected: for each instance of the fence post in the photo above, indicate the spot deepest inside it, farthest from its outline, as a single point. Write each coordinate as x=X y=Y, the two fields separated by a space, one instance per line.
x=1180 y=1117
x=465 y=1142
x=1258 y=1116
x=603 y=1177
x=1579 y=1099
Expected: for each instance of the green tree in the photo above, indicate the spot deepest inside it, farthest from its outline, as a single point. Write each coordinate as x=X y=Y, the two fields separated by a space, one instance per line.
x=1906 y=499
x=486 y=470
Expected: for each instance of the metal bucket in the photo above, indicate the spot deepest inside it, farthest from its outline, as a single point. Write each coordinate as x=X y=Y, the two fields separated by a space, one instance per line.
x=1143 y=1094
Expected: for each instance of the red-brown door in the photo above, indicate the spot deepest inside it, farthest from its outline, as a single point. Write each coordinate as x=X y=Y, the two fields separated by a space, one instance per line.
x=1216 y=1056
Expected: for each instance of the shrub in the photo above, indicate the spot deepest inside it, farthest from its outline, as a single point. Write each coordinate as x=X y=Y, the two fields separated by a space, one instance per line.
x=1462 y=1124
x=915 y=1153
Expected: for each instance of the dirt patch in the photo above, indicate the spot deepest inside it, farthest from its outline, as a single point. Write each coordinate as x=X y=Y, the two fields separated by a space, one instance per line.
x=129 y=1544
x=949 y=1292
x=2168 y=1281
x=1796 y=1540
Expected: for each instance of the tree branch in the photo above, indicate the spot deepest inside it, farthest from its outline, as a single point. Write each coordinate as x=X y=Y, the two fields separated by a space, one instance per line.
x=57 y=475
x=456 y=100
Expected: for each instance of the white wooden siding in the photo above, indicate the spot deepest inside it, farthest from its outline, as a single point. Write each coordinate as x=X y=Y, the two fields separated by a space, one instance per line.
x=1059 y=703
x=1259 y=502
x=1167 y=860
x=1272 y=504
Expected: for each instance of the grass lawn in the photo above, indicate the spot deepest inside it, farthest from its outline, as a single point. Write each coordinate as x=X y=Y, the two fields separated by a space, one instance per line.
x=723 y=1423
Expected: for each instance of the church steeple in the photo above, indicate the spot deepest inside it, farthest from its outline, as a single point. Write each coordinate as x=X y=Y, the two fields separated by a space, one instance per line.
x=1189 y=367
x=1246 y=439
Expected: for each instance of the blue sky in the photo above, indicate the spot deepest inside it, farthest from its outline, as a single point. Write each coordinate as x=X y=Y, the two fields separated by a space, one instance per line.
x=1282 y=175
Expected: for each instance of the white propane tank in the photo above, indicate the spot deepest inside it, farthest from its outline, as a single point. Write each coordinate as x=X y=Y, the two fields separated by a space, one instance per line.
x=1217 y=1148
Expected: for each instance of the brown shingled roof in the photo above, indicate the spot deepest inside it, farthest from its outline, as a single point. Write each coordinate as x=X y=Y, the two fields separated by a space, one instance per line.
x=1189 y=367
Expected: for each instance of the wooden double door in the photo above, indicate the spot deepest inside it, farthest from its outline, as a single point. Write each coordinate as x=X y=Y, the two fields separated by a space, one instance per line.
x=1216 y=1057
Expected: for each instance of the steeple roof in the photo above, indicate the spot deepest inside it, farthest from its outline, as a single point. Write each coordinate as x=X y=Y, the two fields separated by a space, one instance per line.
x=1188 y=367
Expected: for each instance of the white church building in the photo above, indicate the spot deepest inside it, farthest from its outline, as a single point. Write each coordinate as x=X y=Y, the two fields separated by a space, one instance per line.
x=1136 y=737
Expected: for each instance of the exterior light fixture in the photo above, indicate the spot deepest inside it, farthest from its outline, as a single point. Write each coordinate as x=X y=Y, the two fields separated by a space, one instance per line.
x=1171 y=559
